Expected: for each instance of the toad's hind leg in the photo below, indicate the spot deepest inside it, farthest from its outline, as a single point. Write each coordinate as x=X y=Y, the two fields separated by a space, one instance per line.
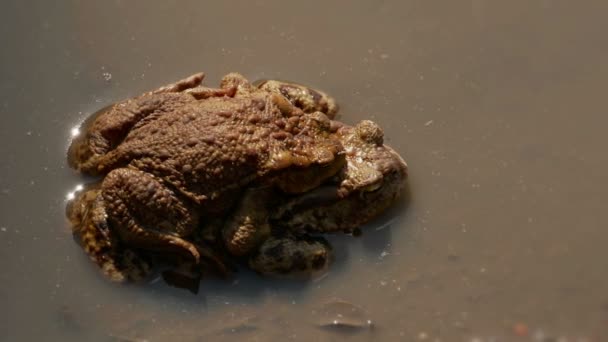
x=91 y=230
x=287 y=254
x=308 y=99
x=147 y=214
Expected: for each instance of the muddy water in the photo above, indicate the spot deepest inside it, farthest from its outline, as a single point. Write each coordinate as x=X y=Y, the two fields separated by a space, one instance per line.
x=498 y=108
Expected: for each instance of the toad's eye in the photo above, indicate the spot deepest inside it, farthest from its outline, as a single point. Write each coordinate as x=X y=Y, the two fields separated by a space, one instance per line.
x=372 y=187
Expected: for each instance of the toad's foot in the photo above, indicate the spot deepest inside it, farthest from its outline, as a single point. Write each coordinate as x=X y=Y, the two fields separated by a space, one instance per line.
x=290 y=255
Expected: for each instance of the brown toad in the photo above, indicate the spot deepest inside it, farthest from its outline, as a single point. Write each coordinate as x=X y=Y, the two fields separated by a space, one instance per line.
x=274 y=230
x=172 y=157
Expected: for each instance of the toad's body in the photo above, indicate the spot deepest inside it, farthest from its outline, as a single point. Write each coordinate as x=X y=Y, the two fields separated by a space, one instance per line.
x=180 y=154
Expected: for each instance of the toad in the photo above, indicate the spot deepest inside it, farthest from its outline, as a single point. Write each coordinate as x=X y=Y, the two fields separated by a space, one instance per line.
x=266 y=162
x=280 y=233
x=173 y=156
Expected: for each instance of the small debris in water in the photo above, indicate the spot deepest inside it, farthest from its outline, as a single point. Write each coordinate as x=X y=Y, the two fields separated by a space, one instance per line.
x=68 y=319
x=520 y=329
x=107 y=76
x=453 y=257
x=428 y=123
x=386 y=225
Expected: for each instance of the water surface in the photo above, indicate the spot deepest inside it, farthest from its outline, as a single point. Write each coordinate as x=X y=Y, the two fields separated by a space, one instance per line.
x=498 y=107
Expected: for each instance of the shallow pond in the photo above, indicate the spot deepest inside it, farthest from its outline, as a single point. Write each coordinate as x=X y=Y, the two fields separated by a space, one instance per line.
x=498 y=107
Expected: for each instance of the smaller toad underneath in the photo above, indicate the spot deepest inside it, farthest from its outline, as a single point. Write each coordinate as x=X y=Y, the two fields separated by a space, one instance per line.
x=183 y=155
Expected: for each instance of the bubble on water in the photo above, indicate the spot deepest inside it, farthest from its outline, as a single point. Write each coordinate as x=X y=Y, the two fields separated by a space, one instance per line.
x=339 y=315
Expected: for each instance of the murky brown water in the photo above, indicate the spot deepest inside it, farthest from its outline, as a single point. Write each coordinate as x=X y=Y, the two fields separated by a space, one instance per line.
x=499 y=108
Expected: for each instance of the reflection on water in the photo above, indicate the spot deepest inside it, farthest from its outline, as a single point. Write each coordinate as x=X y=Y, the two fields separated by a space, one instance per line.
x=75 y=131
x=72 y=194
x=497 y=107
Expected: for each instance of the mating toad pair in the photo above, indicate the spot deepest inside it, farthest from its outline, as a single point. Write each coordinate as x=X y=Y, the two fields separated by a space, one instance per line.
x=204 y=176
